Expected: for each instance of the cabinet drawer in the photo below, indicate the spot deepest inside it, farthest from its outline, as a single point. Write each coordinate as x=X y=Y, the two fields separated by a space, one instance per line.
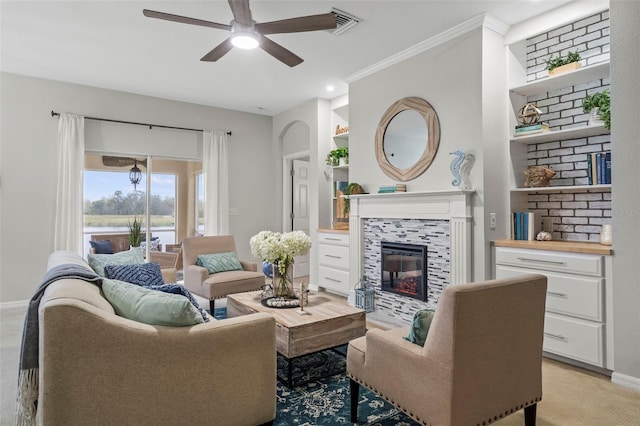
x=333 y=279
x=333 y=238
x=335 y=256
x=574 y=338
x=583 y=264
x=567 y=294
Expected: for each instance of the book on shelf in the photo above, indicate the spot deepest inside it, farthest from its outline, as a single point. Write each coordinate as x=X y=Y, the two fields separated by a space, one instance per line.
x=525 y=226
x=400 y=187
x=599 y=168
x=531 y=129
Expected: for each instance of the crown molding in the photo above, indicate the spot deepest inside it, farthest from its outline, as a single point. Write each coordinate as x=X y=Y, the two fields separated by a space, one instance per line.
x=484 y=20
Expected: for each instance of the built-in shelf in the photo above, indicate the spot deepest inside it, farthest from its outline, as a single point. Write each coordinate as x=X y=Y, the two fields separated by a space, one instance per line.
x=579 y=76
x=345 y=167
x=572 y=188
x=561 y=135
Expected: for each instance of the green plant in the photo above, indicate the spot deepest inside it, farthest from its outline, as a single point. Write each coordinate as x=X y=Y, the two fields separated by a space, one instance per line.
x=554 y=62
x=334 y=156
x=352 y=188
x=135 y=232
x=602 y=101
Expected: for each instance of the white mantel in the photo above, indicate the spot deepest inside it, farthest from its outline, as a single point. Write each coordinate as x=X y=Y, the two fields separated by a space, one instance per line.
x=453 y=205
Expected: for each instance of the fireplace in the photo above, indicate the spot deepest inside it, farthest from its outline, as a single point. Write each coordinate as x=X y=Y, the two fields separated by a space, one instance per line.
x=404 y=269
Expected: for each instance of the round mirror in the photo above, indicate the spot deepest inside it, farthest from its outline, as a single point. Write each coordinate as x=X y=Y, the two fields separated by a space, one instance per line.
x=407 y=138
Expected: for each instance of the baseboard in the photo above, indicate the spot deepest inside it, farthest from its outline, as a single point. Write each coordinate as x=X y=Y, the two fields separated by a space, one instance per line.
x=14 y=304
x=626 y=381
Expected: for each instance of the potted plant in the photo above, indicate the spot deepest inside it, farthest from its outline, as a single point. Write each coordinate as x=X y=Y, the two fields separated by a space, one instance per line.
x=560 y=65
x=334 y=157
x=135 y=232
x=599 y=104
x=352 y=188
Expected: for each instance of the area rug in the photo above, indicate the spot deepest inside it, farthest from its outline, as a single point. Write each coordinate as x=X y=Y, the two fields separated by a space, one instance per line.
x=325 y=401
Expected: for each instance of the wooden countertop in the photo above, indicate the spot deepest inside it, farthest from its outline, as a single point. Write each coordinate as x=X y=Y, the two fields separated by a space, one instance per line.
x=334 y=231
x=566 y=246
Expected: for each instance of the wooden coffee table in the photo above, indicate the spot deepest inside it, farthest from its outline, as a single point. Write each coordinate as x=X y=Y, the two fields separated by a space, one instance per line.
x=330 y=323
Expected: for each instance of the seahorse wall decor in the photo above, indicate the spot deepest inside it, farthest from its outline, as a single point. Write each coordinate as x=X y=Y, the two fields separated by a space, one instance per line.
x=461 y=168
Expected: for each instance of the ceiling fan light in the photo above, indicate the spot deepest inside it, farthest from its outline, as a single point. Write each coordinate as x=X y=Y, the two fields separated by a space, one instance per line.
x=244 y=40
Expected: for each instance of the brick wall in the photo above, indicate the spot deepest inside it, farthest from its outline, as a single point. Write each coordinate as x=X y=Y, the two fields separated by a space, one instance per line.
x=575 y=215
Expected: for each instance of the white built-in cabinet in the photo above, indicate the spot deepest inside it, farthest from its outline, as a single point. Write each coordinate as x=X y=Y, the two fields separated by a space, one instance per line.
x=578 y=319
x=333 y=260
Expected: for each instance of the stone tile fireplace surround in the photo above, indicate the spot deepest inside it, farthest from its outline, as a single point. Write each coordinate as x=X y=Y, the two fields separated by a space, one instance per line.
x=441 y=220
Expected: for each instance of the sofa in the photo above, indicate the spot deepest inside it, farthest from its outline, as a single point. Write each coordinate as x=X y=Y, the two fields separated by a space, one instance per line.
x=96 y=367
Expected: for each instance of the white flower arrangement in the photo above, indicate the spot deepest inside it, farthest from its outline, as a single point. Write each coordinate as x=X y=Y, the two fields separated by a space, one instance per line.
x=279 y=248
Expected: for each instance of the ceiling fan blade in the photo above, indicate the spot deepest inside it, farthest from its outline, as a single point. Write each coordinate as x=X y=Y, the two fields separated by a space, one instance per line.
x=241 y=11
x=218 y=52
x=325 y=21
x=111 y=161
x=184 y=20
x=280 y=53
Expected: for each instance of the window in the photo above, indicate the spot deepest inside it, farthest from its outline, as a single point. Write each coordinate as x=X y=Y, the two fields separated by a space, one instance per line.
x=199 y=210
x=110 y=203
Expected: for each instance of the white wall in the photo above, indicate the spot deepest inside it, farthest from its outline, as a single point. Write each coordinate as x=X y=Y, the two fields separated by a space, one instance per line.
x=28 y=163
x=450 y=77
x=625 y=148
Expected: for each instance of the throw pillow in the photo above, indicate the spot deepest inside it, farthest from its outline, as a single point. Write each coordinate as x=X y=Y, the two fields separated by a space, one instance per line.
x=420 y=326
x=129 y=257
x=219 y=262
x=150 y=306
x=145 y=274
x=102 y=247
x=180 y=289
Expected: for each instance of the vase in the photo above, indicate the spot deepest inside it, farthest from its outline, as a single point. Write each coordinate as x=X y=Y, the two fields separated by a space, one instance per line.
x=283 y=284
x=594 y=118
x=606 y=235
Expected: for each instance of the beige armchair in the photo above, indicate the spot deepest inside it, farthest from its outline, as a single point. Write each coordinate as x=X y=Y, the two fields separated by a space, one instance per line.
x=482 y=359
x=215 y=286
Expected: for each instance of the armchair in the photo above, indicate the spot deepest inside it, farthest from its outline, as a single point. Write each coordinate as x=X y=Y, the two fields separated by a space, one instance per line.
x=482 y=359
x=216 y=286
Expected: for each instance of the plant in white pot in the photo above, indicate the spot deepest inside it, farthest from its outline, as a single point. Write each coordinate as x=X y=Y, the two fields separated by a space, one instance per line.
x=599 y=104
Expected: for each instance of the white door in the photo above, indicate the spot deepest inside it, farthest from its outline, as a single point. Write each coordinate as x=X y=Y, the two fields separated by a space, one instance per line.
x=300 y=213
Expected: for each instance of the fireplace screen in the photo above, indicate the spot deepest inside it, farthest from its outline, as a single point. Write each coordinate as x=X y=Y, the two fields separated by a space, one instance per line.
x=404 y=269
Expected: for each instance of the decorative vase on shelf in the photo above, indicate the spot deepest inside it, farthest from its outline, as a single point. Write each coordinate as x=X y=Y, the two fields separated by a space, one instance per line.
x=594 y=117
x=606 y=235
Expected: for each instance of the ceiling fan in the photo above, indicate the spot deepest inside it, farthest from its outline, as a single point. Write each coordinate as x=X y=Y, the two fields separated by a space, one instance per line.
x=247 y=33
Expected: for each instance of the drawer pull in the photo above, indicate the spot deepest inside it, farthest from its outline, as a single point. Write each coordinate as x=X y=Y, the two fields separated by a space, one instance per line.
x=333 y=256
x=556 y=336
x=526 y=259
x=331 y=279
x=553 y=293
x=332 y=239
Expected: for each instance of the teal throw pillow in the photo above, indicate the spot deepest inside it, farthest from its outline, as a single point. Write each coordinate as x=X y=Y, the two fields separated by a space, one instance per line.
x=150 y=306
x=99 y=261
x=420 y=326
x=219 y=262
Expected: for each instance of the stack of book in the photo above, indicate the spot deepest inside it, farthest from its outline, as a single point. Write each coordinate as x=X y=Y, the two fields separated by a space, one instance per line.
x=525 y=226
x=530 y=129
x=599 y=168
x=399 y=187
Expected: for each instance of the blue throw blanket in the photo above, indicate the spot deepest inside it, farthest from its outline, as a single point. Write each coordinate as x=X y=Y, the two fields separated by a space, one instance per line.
x=28 y=372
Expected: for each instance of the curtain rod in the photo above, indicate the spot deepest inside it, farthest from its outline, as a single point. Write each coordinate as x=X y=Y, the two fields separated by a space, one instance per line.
x=57 y=114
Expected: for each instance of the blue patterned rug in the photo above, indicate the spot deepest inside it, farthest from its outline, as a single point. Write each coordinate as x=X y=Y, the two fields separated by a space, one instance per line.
x=325 y=401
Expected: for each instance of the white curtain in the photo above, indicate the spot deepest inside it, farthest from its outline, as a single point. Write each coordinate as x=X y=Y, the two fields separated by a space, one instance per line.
x=68 y=220
x=216 y=182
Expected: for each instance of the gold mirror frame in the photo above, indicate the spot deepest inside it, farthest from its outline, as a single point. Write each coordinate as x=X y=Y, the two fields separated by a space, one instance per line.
x=425 y=109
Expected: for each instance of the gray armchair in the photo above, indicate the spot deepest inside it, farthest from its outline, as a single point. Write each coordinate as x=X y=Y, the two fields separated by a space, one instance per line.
x=215 y=286
x=482 y=359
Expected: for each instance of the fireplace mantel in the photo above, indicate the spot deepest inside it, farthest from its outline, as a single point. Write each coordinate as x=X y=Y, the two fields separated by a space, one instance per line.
x=453 y=205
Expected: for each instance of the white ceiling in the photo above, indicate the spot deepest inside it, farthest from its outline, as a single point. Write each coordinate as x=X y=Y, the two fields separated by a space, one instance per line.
x=110 y=44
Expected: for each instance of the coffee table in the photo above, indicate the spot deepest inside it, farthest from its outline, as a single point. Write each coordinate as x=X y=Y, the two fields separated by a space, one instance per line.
x=329 y=323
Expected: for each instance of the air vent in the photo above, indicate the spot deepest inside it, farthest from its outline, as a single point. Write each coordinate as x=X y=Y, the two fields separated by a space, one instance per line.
x=345 y=21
